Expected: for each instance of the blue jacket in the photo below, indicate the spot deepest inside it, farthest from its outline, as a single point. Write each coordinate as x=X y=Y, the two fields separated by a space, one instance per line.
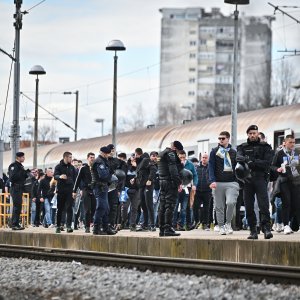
x=190 y=166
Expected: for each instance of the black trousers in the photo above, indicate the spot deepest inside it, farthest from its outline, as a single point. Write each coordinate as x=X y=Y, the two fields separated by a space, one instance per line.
x=146 y=201
x=290 y=196
x=134 y=205
x=168 y=198
x=16 y=193
x=202 y=198
x=89 y=205
x=258 y=186
x=64 y=201
x=113 y=201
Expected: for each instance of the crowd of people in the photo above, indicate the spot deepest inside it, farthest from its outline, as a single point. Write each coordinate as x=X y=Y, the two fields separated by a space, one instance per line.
x=166 y=191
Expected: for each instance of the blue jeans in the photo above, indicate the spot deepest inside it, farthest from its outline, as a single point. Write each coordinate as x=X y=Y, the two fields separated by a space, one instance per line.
x=102 y=208
x=155 y=204
x=47 y=218
x=278 y=205
x=33 y=212
x=183 y=200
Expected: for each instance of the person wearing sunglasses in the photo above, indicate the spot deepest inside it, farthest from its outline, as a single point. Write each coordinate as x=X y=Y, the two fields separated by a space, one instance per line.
x=258 y=155
x=223 y=182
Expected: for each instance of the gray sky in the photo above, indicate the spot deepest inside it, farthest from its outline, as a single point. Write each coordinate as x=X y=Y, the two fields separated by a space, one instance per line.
x=68 y=38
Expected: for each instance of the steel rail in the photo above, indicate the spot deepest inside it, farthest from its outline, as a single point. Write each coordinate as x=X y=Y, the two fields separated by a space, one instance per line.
x=254 y=272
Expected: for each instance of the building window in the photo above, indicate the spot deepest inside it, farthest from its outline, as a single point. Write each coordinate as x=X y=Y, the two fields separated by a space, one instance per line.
x=193 y=32
x=192 y=69
x=191 y=93
x=202 y=42
x=192 y=80
x=192 y=55
x=193 y=43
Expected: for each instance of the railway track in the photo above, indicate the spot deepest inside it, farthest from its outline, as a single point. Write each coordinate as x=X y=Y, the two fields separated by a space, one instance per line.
x=254 y=272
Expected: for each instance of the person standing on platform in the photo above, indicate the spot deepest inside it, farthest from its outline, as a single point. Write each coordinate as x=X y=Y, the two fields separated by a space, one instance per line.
x=65 y=174
x=258 y=155
x=113 y=198
x=286 y=163
x=84 y=178
x=17 y=177
x=101 y=176
x=224 y=185
x=169 y=166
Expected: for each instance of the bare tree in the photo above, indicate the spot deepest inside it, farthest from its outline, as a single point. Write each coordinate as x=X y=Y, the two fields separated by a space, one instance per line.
x=284 y=77
x=170 y=113
x=47 y=133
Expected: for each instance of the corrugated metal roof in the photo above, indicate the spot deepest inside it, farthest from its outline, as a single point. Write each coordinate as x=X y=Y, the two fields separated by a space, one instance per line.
x=267 y=120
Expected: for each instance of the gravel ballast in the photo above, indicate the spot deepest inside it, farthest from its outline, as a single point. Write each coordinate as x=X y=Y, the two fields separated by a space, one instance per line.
x=35 y=279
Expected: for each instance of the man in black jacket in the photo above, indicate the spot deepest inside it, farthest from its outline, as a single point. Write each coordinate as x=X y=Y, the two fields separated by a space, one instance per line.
x=169 y=167
x=17 y=177
x=145 y=174
x=286 y=164
x=113 y=198
x=84 y=180
x=65 y=174
x=258 y=155
x=46 y=196
x=101 y=176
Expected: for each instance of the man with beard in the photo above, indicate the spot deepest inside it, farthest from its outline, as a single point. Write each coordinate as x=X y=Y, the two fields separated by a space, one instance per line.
x=258 y=155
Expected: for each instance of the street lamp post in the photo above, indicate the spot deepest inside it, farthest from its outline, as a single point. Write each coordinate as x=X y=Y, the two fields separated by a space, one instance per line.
x=36 y=70
x=115 y=45
x=76 y=111
x=100 y=121
x=234 y=100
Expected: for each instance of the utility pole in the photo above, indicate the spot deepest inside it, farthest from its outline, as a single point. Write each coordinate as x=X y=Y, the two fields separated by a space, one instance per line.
x=76 y=115
x=76 y=111
x=15 y=128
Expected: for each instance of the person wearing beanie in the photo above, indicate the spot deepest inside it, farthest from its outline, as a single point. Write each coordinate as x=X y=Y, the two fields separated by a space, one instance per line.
x=17 y=177
x=258 y=155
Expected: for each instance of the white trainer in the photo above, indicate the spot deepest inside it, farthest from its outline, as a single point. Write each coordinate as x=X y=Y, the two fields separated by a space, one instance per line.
x=228 y=228
x=280 y=227
x=275 y=227
x=222 y=230
x=216 y=228
x=287 y=229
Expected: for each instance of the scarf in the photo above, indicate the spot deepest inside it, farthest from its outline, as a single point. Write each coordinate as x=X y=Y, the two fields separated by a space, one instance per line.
x=292 y=160
x=224 y=154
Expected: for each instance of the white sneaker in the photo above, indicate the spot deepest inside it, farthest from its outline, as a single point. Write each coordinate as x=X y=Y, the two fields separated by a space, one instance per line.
x=228 y=228
x=222 y=230
x=275 y=227
x=216 y=228
x=287 y=229
x=52 y=226
x=280 y=227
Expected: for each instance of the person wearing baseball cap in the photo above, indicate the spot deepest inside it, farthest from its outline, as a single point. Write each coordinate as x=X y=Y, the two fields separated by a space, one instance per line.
x=17 y=177
x=258 y=155
x=169 y=167
x=101 y=176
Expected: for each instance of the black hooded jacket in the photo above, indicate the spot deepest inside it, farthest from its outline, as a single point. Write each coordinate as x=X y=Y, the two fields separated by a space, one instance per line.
x=70 y=171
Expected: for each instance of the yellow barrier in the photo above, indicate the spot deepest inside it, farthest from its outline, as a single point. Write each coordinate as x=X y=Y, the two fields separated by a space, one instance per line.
x=6 y=207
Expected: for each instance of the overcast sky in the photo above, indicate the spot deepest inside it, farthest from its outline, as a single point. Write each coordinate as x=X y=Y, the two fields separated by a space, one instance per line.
x=68 y=38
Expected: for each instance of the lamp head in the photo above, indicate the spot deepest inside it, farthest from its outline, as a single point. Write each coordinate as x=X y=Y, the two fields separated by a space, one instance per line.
x=115 y=45
x=237 y=2
x=37 y=70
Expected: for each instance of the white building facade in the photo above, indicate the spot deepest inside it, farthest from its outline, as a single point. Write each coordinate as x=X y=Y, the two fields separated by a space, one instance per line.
x=197 y=63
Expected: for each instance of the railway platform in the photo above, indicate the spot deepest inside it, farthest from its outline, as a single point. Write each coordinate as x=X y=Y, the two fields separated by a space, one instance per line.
x=196 y=244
